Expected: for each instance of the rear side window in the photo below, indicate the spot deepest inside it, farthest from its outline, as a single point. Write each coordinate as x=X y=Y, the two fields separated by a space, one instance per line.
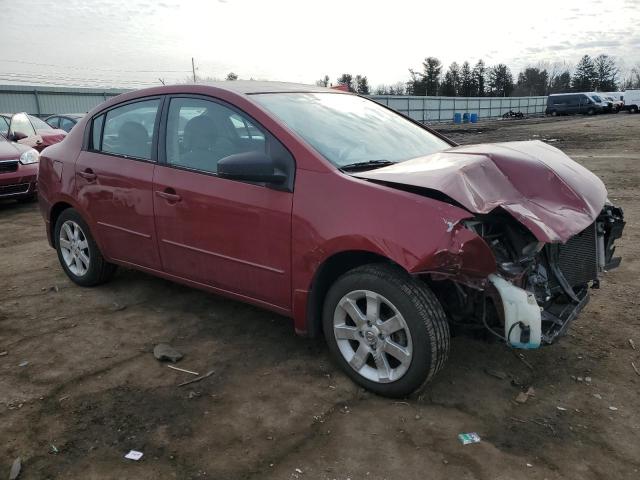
x=53 y=121
x=128 y=130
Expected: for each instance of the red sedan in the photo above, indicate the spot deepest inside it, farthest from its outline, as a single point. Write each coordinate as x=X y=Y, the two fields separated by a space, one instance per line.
x=361 y=224
x=29 y=130
x=18 y=171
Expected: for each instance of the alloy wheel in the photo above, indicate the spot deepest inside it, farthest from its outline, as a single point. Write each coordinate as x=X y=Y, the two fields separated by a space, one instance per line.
x=74 y=248
x=372 y=336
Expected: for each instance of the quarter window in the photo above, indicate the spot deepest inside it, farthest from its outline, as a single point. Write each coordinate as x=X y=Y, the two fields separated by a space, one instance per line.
x=96 y=132
x=53 y=121
x=201 y=132
x=128 y=130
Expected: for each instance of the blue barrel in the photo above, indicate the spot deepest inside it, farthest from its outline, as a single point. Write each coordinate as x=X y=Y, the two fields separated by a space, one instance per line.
x=474 y=118
x=457 y=117
x=465 y=117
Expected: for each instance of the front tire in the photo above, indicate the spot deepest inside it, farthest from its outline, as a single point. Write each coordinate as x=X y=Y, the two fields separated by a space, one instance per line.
x=78 y=252
x=385 y=329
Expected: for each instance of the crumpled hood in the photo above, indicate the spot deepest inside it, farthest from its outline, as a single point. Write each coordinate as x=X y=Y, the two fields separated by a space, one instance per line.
x=541 y=187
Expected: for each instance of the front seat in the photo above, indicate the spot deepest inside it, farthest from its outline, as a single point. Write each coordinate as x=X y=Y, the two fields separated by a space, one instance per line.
x=133 y=139
x=203 y=145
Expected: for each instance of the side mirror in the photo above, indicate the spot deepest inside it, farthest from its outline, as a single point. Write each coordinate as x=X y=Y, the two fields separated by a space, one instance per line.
x=251 y=167
x=18 y=136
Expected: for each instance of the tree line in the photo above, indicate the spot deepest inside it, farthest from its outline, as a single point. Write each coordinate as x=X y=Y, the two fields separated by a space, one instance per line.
x=600 y=73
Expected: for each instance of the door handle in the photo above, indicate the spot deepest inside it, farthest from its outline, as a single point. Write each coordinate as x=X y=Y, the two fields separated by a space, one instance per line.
x=169 y=195
x=88 y=175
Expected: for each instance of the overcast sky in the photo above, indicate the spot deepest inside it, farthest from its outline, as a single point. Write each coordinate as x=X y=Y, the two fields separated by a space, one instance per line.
x=134 y=42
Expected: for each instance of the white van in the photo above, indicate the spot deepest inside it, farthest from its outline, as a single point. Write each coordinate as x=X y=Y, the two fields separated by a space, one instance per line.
x=632 y=101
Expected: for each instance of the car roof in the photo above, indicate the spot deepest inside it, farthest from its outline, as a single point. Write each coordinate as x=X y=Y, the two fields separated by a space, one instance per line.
x=70 y=115
x=249 y=87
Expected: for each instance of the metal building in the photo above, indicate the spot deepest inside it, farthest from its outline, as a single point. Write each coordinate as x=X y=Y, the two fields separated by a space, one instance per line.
x=44 y=101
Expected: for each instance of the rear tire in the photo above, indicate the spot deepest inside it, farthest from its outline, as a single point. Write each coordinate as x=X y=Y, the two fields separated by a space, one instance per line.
x=394 y=348
x=78 y=252
x=554 y=113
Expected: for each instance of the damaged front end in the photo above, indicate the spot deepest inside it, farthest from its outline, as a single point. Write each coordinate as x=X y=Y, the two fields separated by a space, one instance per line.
x=538 y=288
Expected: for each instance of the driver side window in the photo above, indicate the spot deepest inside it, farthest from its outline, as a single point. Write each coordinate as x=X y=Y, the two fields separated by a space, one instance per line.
x=201 y=132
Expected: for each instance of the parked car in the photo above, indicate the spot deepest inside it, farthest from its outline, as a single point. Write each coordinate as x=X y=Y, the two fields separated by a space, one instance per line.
x=18 y=171
x=29 y=130
x=572 y=103
x=632 y=101
x=358 y=222
x=64 y=122
x=615 y=104
x=604 y=100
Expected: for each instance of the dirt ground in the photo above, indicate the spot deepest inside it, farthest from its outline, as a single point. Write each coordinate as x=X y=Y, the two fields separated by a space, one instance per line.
x=276 y=407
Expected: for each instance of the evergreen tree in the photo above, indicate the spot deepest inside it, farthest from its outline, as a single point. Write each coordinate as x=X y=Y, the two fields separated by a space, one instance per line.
x=432 y=70
x=362 y=85
x=417 y=84
x=561 y=83
x=467 y=81
x=532 y=81
x=451 y=83
x=606 y=73
x=346 y=79
x=500 y=81
x=585 y=75
x=479 y=76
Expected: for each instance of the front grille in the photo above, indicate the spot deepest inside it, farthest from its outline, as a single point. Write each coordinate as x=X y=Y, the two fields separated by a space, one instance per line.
x=8 y=166
x=578 y=259
x=14 y=189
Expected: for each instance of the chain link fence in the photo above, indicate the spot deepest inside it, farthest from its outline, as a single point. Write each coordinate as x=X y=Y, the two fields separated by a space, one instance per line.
x=442 y=109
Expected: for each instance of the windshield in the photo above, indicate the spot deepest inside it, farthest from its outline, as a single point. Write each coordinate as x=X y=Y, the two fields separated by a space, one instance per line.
x=347 y=129
x=4 y=125
x=596 y=98
x=39 y=124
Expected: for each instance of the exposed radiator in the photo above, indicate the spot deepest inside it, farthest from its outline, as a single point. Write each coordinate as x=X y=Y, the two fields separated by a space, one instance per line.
x=578 y=259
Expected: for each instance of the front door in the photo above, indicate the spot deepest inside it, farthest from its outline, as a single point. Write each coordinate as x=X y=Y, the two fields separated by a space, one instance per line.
x=114 y=182
x=231 y=235
x=21 y=130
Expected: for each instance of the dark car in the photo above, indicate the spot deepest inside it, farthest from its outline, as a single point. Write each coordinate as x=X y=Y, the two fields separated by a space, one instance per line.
x=29 y=130
x=361 y=224
x=572 y=103
x=64 y=122
x=18 y=170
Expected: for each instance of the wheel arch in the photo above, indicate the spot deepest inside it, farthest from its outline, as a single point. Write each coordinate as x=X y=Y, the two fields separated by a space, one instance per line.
x=326 y=274
x=54 y=214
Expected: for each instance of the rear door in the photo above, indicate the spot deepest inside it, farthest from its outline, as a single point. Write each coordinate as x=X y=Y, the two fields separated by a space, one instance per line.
x=114 y=180
x=231 y=235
